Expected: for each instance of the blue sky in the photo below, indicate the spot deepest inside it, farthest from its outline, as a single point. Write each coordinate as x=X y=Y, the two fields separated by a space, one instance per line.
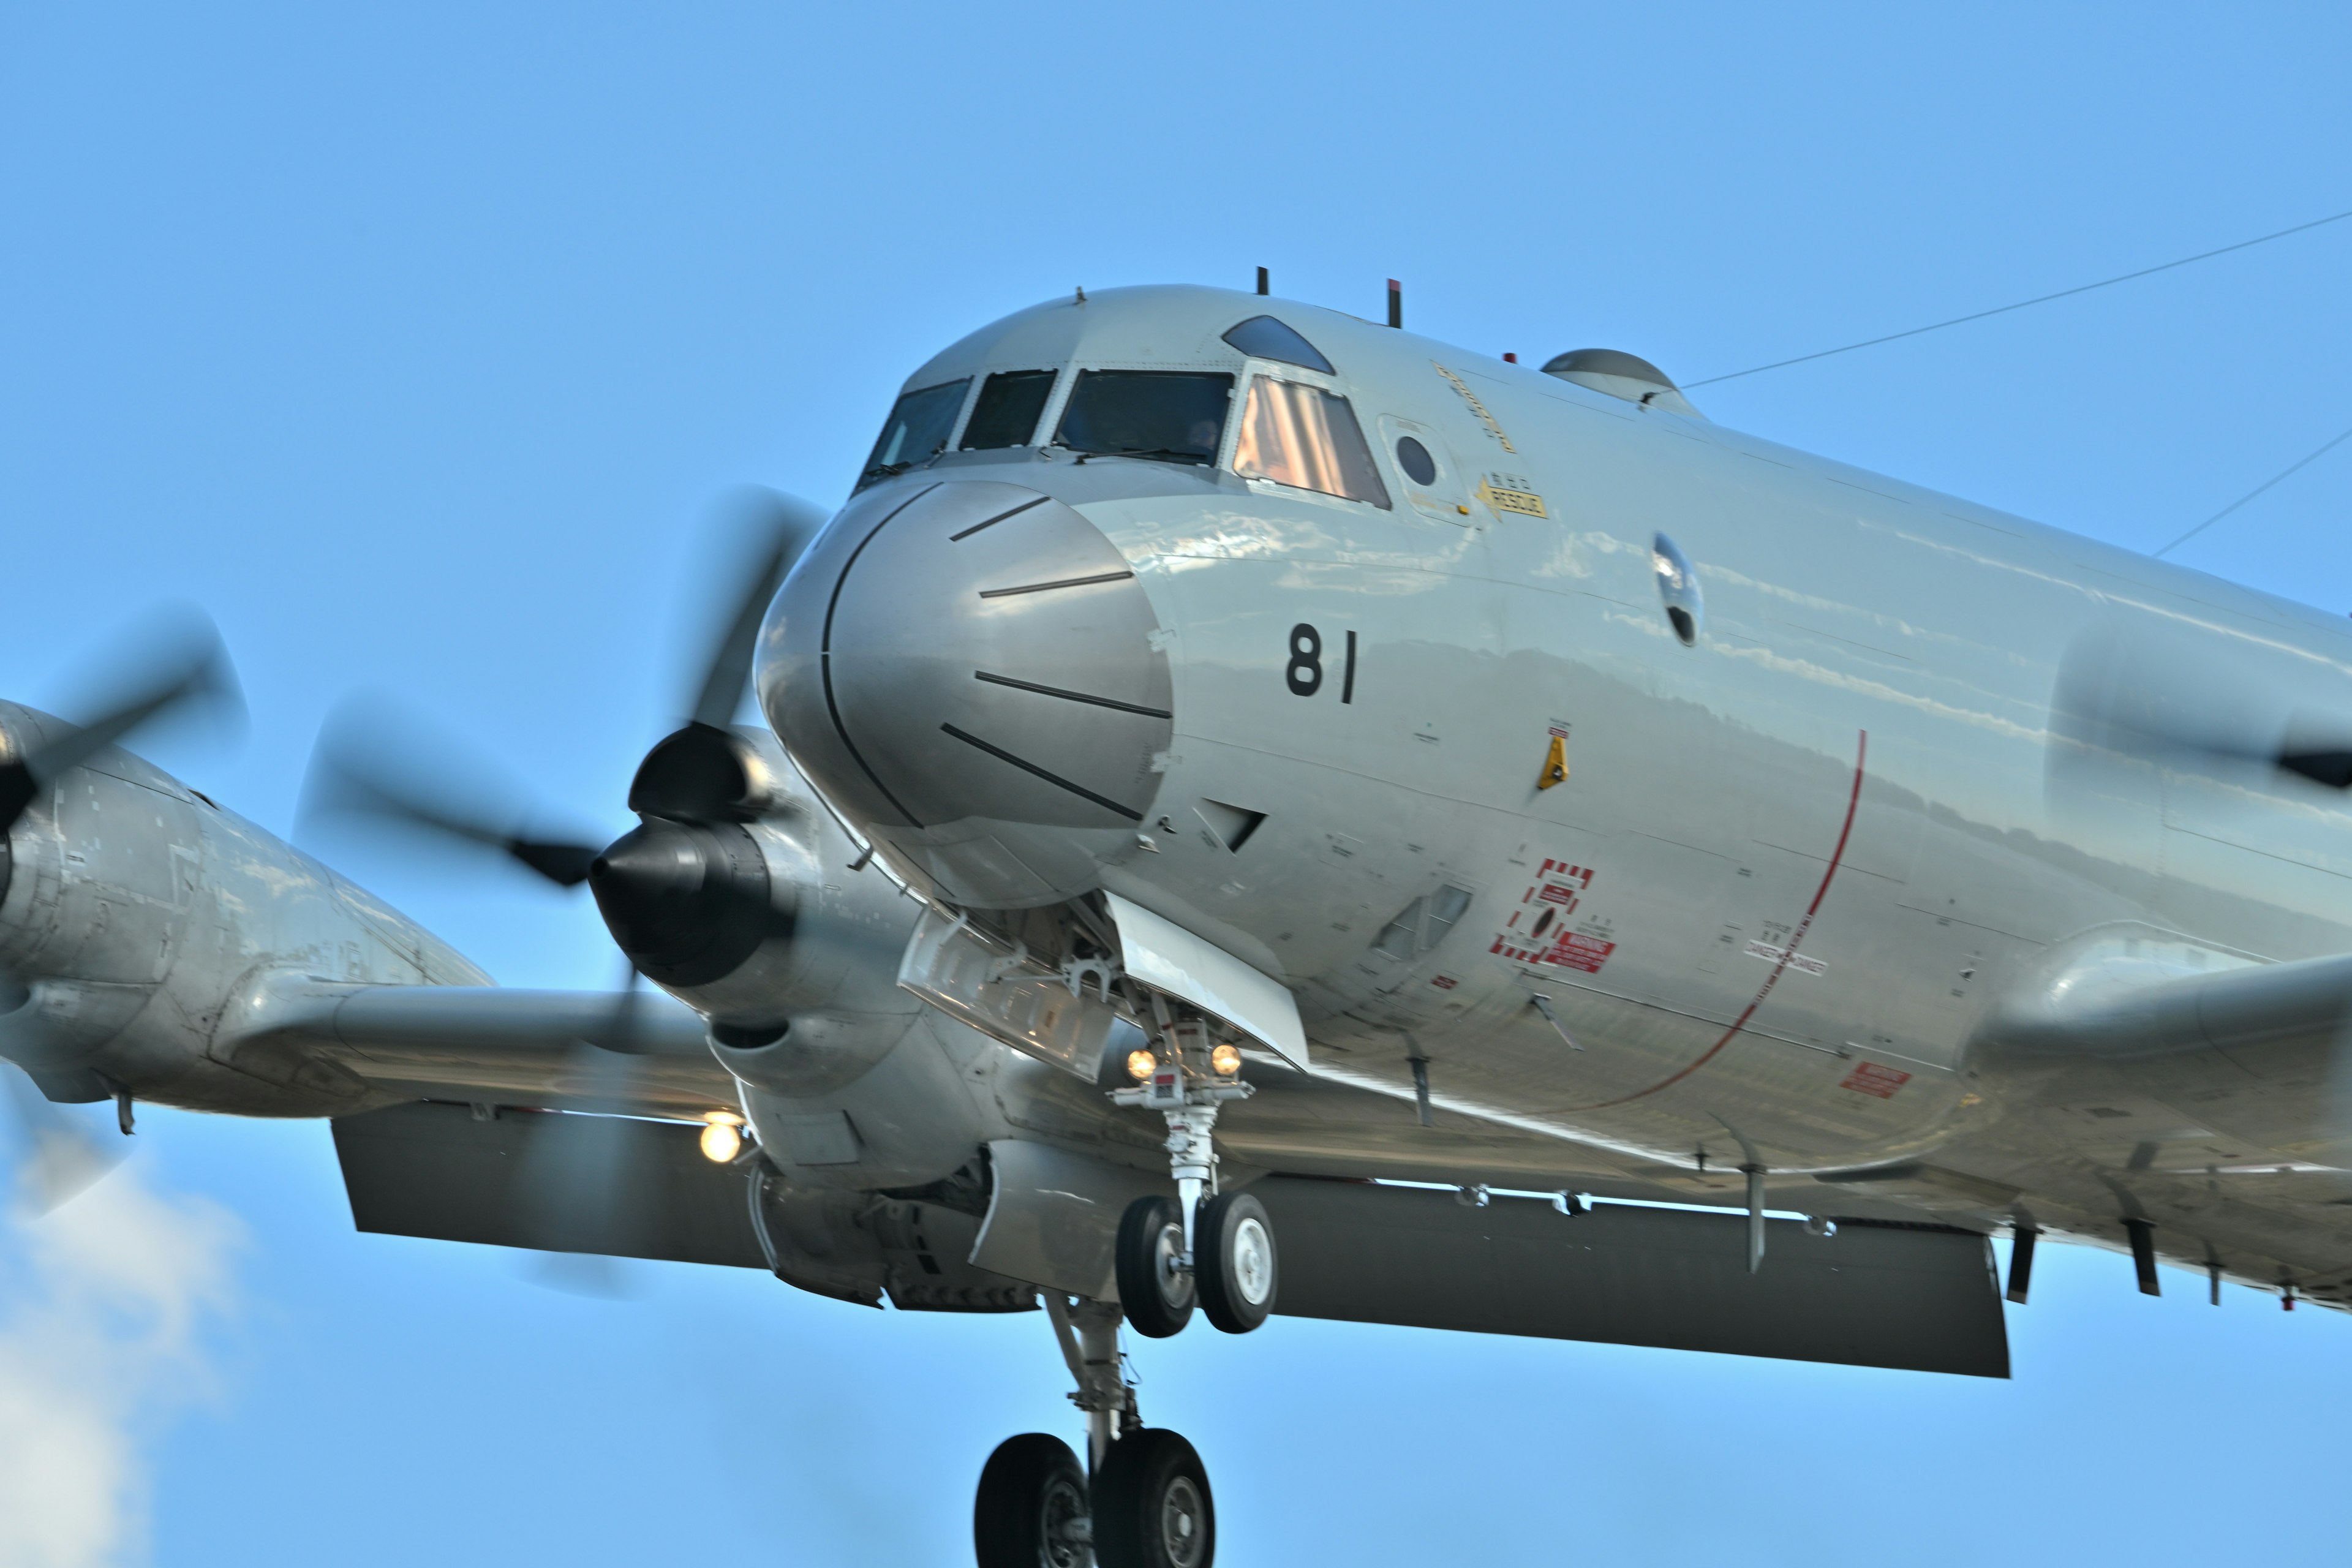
x=414 y=344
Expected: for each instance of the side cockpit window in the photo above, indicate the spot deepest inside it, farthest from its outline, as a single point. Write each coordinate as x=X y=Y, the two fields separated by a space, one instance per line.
x=1006 y=412
x=1305 y=438
x=917 y=429
x=1168 y=416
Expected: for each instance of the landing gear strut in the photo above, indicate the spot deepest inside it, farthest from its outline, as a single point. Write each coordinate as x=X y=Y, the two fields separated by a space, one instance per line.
x=1142 y=1500
x=1215 y=1248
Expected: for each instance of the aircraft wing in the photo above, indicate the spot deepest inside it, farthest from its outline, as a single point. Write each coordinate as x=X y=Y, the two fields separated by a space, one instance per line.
x=1911 y=1296
x=573 y=1050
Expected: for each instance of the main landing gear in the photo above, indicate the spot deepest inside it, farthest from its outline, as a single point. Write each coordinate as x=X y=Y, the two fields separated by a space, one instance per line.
x=1148 y=1503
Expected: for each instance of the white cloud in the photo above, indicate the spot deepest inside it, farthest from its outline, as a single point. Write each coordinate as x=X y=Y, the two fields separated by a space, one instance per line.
x=102 y=1305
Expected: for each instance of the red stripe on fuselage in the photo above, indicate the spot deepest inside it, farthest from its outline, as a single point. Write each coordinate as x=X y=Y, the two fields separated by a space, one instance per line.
x=1853 y=801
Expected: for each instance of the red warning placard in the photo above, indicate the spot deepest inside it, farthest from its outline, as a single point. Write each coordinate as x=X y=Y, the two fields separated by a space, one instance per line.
x=1869 y=1078
x=1574 y=951
x=1539 y=930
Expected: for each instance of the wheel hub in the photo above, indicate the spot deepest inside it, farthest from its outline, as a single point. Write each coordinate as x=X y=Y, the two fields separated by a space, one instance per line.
x=1253 y=1261
x=1066 y=1534
x=1182 y=1531
x=1169 y=1263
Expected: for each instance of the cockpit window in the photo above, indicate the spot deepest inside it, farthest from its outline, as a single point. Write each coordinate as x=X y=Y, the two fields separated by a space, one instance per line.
x=917 y=428
x=1170 y=416
x=1006 y=412
x=1263 y=337
x=1303 y=435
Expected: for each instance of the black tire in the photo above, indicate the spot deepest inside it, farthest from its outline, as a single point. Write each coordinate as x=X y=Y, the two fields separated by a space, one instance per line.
x=1031 y=1491
x=1156 y=1295
x=1151 y=1504
x=1235 y=1265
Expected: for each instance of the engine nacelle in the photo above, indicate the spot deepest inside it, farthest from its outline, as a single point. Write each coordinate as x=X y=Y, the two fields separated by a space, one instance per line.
x=736 y=894
x=91 y=905
x=134 y=914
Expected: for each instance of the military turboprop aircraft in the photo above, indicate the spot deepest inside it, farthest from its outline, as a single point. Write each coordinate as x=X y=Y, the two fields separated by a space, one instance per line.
x=1264 y=812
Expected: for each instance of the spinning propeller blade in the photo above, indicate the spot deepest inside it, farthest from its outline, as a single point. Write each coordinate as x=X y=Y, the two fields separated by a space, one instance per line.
x=376 y=766
x=771 y=530
x=174 y=663
x=2126 y=699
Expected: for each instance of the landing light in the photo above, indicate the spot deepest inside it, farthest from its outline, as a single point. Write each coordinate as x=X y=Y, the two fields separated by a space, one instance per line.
x=1140 y=1065
x=723 y=1139
x=1226 y=1060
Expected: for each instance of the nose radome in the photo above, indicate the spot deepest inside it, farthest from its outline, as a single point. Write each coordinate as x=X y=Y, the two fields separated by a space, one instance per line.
x=968 y=667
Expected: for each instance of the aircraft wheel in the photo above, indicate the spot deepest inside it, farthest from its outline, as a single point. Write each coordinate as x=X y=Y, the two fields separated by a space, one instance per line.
x=1031 y=1508
x=1234 y=1243
x=1152 y=1507
x=1154 y=1291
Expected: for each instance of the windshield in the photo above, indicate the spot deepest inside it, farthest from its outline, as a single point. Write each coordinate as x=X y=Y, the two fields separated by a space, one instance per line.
x=1170 y=416
x=1303 y=435
x=1006 y=413
x=917 y=428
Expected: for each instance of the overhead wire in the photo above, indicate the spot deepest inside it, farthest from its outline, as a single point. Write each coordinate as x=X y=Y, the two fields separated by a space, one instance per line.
x=2023 y=304
x=2287 y=472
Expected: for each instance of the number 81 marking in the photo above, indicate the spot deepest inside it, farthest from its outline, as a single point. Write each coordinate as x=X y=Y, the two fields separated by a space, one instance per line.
x=1304 y=673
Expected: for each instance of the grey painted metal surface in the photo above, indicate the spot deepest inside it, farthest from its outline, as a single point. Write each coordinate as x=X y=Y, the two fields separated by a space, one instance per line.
x=441 y=1173
x=1916 y=1299
x=1053 y=1215
x=1799 y=865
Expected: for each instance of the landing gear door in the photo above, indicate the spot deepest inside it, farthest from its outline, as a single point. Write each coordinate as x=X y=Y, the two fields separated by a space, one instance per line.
x=1426 y=472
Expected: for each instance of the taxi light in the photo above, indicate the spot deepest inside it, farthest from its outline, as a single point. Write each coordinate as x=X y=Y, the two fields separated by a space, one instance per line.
x=1140 y=1064
x=723 y=1139
x=1227 y=1059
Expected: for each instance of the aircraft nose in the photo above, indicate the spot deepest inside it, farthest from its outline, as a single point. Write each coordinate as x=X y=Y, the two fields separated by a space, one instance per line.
x=968 y=667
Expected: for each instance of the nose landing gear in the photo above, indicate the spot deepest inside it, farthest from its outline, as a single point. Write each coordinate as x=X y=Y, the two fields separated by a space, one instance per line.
x=1148 y=1503
x=1234 y=1263
x=1155 y=1276
x=1213 y=1247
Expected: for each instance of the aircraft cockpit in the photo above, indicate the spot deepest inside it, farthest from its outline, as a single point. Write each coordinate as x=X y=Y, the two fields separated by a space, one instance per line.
x=1104 y=398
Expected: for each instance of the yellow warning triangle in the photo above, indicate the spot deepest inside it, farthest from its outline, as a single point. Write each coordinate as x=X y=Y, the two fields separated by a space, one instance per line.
x=1555 y=768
